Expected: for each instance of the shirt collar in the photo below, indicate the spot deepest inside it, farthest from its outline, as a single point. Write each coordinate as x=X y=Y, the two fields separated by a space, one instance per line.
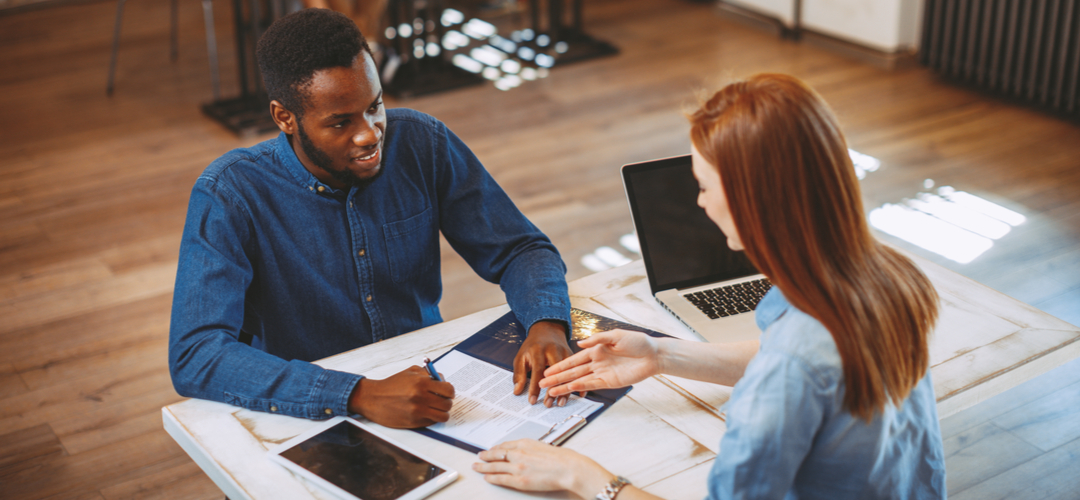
x=305 y=178
x=772 y=306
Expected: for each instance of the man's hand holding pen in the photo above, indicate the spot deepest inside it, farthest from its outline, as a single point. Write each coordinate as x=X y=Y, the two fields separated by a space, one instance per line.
x=430 y=367
x=405 y=400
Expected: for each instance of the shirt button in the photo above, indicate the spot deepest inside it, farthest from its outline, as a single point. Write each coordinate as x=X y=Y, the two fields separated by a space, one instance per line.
x=322 y=188
x=361 y=253
x=309 y=188
x=329 y=411
x=369 y=298
x=273 y=408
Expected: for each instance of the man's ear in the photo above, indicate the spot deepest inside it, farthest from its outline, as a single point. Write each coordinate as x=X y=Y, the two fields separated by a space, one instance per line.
x=286 y=120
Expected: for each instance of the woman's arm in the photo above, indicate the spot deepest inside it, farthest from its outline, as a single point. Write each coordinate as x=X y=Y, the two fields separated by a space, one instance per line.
x=619 y=358
x=722 y=364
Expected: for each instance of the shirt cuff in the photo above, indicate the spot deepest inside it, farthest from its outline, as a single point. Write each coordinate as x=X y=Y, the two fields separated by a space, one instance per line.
x=332 y=391
x=548 y=311
x=563 y=322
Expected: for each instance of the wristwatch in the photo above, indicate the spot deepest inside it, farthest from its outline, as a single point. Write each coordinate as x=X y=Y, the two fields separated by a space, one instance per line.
x=613 y=488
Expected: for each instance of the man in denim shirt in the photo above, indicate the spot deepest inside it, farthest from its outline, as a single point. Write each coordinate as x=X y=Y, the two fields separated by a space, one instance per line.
x=326 y=239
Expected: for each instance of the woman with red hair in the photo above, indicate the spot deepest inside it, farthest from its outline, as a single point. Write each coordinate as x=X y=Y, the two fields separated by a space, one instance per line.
x=835 y=399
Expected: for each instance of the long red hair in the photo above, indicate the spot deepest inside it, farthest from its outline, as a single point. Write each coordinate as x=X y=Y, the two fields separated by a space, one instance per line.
x=795 y=200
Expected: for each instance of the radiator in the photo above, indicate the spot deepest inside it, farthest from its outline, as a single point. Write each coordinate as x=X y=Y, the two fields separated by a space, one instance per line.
x=1023 y=49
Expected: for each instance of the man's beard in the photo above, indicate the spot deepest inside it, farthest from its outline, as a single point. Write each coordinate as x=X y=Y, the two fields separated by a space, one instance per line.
x=323 y=161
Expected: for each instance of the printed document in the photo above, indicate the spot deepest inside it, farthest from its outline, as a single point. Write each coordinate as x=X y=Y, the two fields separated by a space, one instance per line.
x=486 y=412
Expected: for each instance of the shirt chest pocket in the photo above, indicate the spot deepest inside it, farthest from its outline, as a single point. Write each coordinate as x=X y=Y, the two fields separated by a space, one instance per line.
x=412 y=245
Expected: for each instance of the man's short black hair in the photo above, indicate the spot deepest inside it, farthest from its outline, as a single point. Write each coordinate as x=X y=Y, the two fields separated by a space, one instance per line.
x=294 y=47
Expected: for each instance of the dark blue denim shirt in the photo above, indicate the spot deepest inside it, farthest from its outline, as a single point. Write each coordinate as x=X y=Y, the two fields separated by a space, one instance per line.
x=309 y=271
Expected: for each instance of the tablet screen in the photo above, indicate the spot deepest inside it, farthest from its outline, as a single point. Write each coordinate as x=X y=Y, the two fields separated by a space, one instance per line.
x=361 y=463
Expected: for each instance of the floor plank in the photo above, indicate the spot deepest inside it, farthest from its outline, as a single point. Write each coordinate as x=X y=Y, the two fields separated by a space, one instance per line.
x=1040 y=387
x=86 y=473
x=181 y=481
x=1047 y=422
x=89 y=334
x=116 y=422
x=973 y=457
x=137 y=356
x=48 y=278
x=28 y=446
x=11 y=383
x=1048 y=476
x=1065 y=305
x=51 y=404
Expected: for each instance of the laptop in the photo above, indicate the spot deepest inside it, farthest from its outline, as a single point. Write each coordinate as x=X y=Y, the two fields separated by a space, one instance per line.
x=692 y=272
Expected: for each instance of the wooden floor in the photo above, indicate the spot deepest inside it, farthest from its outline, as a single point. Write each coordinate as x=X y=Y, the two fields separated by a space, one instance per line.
x=93 y=192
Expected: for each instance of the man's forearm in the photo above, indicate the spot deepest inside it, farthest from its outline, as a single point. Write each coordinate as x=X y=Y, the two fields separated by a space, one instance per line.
x=215 y=366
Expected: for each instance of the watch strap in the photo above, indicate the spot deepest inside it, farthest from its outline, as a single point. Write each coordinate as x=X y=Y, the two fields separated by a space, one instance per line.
x=613 y=488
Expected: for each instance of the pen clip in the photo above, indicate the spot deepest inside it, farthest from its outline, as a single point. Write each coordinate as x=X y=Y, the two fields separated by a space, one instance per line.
x=576 y=426
x=430 y=367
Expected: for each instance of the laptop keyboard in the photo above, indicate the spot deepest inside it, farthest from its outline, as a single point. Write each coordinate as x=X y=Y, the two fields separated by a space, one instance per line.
x=731 y=299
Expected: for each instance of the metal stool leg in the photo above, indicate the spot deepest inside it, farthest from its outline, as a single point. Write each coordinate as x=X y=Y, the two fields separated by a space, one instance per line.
x=115 y=46
x=211 y=46
x=174 y=51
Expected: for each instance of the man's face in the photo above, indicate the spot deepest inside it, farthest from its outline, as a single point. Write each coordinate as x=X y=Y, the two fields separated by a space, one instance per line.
x=341 y=133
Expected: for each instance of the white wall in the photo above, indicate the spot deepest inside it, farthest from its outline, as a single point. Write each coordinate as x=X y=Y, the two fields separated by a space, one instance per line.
x=780 y=9
x=885 y=25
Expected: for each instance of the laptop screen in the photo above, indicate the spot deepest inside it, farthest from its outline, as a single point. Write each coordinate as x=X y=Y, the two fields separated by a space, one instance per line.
x=681 y=246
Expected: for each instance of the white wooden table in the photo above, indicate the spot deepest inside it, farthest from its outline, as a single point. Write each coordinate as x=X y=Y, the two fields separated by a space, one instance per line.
x=664 y=434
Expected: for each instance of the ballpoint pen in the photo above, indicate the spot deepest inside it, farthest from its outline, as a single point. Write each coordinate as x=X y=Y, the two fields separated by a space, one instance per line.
x=431 y=370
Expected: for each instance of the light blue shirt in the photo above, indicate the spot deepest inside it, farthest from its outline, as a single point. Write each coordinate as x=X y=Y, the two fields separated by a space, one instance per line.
x=790 y=437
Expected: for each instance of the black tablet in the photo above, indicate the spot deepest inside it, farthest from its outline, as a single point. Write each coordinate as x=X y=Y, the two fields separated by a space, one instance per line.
x=353 y=461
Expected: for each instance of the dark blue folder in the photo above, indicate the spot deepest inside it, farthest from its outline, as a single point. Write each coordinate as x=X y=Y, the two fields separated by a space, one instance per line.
x=498 y=344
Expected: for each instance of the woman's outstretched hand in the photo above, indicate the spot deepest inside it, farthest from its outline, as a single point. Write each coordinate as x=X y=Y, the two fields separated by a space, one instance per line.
x=615 y=358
